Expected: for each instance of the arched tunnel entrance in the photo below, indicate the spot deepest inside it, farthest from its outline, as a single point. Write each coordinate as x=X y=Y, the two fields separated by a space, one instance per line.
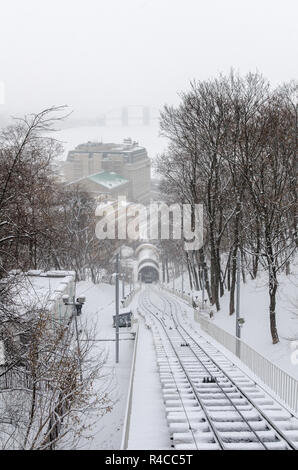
x=148 y=263
x=148 y=274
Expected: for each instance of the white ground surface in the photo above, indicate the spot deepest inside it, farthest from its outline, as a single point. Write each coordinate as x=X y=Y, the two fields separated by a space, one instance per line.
x=197 y=332
x=99 y=309
x=148 y=425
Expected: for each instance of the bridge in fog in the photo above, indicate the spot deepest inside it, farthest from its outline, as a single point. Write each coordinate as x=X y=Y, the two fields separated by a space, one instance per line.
x=130 y=114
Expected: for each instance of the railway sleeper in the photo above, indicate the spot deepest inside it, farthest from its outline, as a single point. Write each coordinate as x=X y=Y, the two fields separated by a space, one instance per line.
x=225 y=402
x=230 y=416
x=184 y=427
x=200 y=437
x=185 y=408
x=202 y=446
x=192 y=416
x=249 y=436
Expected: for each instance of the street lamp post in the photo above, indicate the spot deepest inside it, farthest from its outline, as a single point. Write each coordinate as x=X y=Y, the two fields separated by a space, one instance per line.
x=173 y=271
x=123 y=283
x=238 y=319
x=77 y=310
x=121 y=273
x=182 y=284
x=203 y=290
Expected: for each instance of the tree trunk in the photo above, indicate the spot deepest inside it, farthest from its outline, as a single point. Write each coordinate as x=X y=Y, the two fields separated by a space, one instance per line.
x=229 y=275
x=273 y=328
x=167 y=271
x=219 y=274
x=189 y=271
x=257 y=253
x=195 y=274
x=205 y=273
x=243 y=263
x=272 y=286
x=214 y=277
x=234 y=256
x=233 y=281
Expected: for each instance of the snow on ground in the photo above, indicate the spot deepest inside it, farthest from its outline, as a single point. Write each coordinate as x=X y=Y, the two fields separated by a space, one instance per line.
x=254 y=307
x=148 y=425
x=194 y=328
x=99 y=309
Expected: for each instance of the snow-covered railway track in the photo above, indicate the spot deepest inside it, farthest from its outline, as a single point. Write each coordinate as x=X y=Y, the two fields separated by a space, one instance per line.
x=210 y=403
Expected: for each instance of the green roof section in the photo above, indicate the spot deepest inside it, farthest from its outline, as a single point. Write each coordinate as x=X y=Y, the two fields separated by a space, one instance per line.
x=107 y=179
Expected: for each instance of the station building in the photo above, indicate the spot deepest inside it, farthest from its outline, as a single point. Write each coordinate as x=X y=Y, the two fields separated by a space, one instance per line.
x=93 y=163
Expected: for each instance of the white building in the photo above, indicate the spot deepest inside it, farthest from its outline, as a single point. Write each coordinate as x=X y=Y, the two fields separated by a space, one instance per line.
x=128 y=161
x=41 y=290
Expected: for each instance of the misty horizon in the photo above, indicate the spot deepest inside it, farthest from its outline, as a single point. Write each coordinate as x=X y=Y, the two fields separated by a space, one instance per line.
x=96 y=56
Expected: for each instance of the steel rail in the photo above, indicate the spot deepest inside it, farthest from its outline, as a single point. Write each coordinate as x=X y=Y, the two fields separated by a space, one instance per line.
x=264 y=416
x=217 y=437
x=219 y=386
x=245 y=421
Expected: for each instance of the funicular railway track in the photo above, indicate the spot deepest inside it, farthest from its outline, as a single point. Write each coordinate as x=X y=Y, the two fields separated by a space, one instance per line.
x=210 y=403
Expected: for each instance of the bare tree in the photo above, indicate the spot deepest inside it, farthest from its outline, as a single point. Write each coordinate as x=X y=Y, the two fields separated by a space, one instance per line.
x=47 y=391
x=232 y=147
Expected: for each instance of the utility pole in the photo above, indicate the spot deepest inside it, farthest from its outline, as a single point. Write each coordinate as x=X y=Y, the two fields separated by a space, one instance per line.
x=203 y=290
x=173 y=271
x=77 y=310
x=123 y=283
x=75 y=313
x=238 y=327
x=121 y=270
x=182 y=284
x=117 y=307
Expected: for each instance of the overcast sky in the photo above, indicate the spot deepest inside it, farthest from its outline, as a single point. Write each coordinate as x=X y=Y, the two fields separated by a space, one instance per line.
x=95 y=55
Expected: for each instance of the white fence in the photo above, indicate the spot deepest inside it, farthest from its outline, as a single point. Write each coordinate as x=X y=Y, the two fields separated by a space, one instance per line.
x=283 y=385
x=186 y=296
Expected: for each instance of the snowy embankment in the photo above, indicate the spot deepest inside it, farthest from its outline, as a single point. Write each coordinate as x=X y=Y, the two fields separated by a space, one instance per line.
x=254 y=307
x=98 y=313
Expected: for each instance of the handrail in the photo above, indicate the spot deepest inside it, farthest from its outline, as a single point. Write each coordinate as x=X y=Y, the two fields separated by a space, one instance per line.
x=284 y=385
x=126 y=425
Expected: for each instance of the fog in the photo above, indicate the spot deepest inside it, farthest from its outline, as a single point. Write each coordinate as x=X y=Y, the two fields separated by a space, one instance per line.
x=95 y=55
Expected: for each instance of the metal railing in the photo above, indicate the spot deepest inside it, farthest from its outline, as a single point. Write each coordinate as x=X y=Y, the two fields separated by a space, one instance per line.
x=284 y=385
x=130 y=296
x=280 y=382
x=126 y=425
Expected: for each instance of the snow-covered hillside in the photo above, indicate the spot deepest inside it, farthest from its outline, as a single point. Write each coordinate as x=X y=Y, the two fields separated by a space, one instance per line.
x=254 y=307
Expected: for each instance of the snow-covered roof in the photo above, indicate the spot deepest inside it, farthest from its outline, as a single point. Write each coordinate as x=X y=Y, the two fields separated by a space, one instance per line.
x=128 y=145
x=108 y=179
x=40 y=288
